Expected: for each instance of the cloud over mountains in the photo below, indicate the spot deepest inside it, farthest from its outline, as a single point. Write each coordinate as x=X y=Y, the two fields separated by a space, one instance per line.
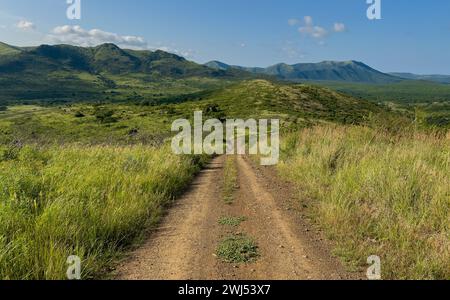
x=68 y=34
x=25 y=25
x=78 y=36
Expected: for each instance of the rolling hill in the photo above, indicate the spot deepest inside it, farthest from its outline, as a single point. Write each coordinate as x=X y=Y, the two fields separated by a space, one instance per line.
x=64 y=73
x=6 y=49
x=296 y=105
x=349 y=71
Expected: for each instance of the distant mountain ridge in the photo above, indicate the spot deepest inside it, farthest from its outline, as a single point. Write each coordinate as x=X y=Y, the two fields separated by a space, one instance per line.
x=103 y=58
x=350 y=71
x=435 y=78
x=65 y=73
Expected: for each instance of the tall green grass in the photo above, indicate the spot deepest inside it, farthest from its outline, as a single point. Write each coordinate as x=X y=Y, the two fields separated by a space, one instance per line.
x=78 y=200
x=377 y=193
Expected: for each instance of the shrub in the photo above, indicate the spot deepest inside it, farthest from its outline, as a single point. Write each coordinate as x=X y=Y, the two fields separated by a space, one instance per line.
x=79 y=114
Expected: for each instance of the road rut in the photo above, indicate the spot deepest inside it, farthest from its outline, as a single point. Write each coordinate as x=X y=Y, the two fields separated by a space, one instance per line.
x=184 y=246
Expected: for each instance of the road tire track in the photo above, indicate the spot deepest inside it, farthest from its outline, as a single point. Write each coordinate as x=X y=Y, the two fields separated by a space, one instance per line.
x=184 y=246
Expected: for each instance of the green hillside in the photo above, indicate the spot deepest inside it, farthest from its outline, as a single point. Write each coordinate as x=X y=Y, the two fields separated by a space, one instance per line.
x=130 y=122
x=63 y=73
x=262 y=98
x=7 y=49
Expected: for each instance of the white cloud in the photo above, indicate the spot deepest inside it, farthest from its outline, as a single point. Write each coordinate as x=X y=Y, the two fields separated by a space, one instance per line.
x=187 y=53
x=76 y=35
x=25 y=25
x=317 y=32
x=308 y=20
x=309 y=29
x=339 y=27
x=293 y=22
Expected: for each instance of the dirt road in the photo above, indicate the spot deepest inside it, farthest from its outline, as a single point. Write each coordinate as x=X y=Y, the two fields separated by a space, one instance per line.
x=184 y=246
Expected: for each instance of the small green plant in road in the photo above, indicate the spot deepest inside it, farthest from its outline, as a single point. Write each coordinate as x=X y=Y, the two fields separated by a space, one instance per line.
x=237 y=248
x=232 y=221
x=230 y=180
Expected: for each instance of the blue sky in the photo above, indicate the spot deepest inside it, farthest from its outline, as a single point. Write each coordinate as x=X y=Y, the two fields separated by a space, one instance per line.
x=413 y=35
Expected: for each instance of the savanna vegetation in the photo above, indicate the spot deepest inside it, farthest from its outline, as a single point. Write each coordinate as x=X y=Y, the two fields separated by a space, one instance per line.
x=408 y=92
x=296 y=105
x=85 y=166
x=89 y=201
x=377 y=192
x=428 y=100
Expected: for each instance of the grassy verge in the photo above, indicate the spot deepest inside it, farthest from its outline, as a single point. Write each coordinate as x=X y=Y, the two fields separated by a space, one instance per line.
x=79 y=200
x=378 y=194
x=230 y=179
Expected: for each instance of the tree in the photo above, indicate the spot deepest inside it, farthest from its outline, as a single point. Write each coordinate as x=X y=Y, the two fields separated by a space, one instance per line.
x=213 y=111
x=105 y=115
x=79 y=114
